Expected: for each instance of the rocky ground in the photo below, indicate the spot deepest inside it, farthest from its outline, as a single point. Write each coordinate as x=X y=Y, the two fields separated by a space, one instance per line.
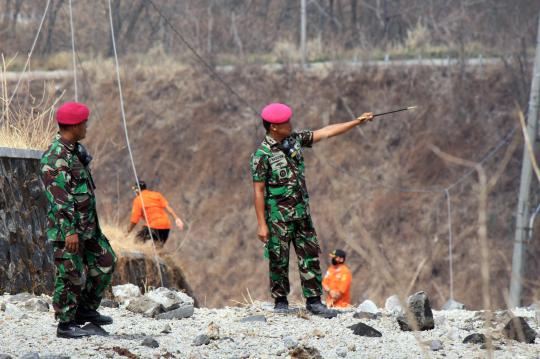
x=28 y=330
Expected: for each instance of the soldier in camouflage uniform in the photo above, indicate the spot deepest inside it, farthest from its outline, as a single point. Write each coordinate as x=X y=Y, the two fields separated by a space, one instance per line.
x=83 y=257
x=282 y=204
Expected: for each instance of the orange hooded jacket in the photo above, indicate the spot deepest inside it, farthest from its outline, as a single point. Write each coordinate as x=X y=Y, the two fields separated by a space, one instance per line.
x=155 y=205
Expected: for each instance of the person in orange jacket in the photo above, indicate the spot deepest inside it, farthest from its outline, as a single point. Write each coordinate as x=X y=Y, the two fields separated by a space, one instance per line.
x=158 y=220
x=337 y=281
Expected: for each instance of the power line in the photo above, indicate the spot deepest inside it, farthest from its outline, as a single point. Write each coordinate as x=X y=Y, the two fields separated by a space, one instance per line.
x=124 y=122
x=31 y=50
x=201 y=59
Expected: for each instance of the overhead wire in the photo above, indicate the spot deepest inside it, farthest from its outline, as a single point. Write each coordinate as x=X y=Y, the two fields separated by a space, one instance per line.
x=31 y=50
x=124 y=122
x=73 y=51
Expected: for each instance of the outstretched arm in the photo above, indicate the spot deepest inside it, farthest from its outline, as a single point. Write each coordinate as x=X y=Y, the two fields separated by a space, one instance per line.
x=340 y=128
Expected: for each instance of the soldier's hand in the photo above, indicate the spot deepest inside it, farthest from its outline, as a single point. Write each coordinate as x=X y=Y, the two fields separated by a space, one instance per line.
x=263 y=233
x=72 y=243
x=366 y=116
x=335 y=294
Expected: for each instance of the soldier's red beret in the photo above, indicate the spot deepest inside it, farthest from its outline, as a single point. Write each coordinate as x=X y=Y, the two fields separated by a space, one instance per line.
x=72 y=113
x=276 y=113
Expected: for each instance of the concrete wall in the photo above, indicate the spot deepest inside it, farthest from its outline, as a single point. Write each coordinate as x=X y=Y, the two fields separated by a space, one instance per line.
x=25 y=255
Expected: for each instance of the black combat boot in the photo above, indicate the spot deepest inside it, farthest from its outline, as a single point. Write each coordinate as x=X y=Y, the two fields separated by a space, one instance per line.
x=70 y=330
x=281 y=305
x=315 y=306
x=86 y=315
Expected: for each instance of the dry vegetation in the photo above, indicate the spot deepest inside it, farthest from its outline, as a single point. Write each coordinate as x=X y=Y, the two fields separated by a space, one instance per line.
x=29 y=123
x=192 y=141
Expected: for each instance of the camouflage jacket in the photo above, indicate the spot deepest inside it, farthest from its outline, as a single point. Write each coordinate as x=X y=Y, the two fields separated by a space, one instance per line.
x=70 y=192
x=281 y=167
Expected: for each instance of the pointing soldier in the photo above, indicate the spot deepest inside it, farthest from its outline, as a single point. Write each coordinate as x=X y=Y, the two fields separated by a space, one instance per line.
x=282 y=204
x=73 y=227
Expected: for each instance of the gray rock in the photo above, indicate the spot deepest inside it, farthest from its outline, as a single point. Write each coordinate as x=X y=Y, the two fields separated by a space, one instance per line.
x=2 y=307
x=13 y=311
x=150 y=342
x=254 y=318
x=167 y=329
x=452 y=304
x=125 y=292
x=367 y=306
x=365 y=330
x=518 y=329
x=185 y=311
x=420 y=309
x=36 y=305
x=364 y=315
x=201 y=339
x=393 y=305
x=341 y=352
x=170 y=299
x=493 y=347
x=475 y=338
x=290 y=342
x=20 y=297
x=54 y=356
x=30 y=356
x=108 y=303
x=435 y=345
x=5 y=356
x=145 y=306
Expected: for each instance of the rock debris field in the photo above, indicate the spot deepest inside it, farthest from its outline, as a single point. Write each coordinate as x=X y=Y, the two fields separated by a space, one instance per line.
x=164 y=324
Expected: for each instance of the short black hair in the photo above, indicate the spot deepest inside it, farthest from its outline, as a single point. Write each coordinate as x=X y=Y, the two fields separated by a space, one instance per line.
x=142 y=185
x=65 y=127
x=266 y=125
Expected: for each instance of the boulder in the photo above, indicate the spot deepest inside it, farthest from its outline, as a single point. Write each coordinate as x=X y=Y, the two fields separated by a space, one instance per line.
x=145 y=306
x=36 y=305
x=125 y=292
x=420 y=311
x=170 y=299
x=185 y=311
x=518 y=329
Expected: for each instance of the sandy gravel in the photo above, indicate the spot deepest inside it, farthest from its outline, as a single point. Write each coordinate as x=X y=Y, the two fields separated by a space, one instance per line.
x=36 y=332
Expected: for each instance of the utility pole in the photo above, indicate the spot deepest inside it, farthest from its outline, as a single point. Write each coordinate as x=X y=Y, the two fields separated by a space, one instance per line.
x=522 y=215
x=303 y=32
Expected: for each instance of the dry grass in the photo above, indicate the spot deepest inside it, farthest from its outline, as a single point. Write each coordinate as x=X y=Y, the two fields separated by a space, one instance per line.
x=123 y=242
x=26 y=124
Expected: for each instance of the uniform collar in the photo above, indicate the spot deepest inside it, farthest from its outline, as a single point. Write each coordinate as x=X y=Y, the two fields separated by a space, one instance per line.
x=69 y=145
x=271 y=142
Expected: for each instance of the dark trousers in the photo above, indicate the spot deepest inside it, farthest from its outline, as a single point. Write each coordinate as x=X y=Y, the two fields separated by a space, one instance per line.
x=160 y=235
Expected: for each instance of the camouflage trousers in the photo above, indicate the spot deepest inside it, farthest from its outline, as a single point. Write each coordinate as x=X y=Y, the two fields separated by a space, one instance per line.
x=81 y=278
x=304 y=239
